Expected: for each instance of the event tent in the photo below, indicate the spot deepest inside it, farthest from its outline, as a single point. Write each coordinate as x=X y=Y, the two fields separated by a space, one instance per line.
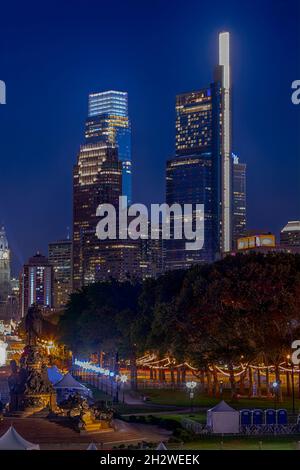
x=68 y=382
x=54 y=374
x=161 y=446
x=11 y=440
x=92 y=446
x=222 y=419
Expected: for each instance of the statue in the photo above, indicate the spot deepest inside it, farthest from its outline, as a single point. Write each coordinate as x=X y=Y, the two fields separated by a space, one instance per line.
x=30 y=388
x=33 y=325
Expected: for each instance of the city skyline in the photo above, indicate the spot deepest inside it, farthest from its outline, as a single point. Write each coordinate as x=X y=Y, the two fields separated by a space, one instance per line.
x=257 y=142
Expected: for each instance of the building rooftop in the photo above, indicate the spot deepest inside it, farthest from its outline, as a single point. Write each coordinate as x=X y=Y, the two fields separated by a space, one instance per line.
x=292 y=226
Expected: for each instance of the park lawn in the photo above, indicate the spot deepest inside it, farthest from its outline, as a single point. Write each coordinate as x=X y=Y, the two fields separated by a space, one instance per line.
x=180 y=398
x=243 y=444
x=198 y=417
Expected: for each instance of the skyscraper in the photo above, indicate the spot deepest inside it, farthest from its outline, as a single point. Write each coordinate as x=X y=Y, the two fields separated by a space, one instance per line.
x=200 y=173
x=97 y=179
x=60 y=257
x=239 y=200
x=108 y=121
x=290 y=234
x=36 y=284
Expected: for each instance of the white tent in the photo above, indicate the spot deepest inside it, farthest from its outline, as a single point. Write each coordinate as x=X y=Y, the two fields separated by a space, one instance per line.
x=92 y=446
x=161 y=446
x=11 y=440
x=68 y=382
x=222 y=419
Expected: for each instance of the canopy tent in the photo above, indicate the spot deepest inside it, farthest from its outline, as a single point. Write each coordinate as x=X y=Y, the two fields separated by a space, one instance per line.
x=222 y=419
x=12 y=440
x=68 y=386
x=54 y=374
x=161 y=446
x=92 y=446
x=68 y=382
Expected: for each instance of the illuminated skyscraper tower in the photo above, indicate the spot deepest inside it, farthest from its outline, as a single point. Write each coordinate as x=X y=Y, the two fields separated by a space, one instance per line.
x=223 y=76
x=239 y=200
x=108 y=121
x=200 y=173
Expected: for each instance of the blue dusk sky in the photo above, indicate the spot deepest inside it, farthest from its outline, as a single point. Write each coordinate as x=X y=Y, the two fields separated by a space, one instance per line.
x=52 y=54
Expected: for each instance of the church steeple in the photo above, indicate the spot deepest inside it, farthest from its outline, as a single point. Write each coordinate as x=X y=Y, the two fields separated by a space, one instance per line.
x=3 y=239
x=4 y=266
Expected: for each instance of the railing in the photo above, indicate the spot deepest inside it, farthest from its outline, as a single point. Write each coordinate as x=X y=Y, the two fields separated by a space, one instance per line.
x=253 y=430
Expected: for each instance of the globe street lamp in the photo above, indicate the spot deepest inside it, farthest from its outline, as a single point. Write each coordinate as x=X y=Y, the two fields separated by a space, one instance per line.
x=275 y=386
x=191 y=387
x=123 y=380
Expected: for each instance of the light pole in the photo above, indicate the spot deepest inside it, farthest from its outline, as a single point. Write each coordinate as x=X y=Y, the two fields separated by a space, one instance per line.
x=191 y=387
x=275 y=386
x=293 y=382
x=123 y=380
x=221 y=389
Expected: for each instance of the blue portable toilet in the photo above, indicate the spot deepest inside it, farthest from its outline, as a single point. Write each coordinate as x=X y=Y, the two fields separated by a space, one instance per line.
x=245 y=417
x=270 y=416
x=257 y=417
x=282 y=416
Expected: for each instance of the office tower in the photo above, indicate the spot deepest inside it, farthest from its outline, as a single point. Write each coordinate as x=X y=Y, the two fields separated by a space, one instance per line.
x=151 y=256
x=223 y=76
x=60 y=257
x=239 y=199
x=97 y=179
x=200 y=173
x=36 y=284
x=290 y=234
x=5 y=286
x=108 y=121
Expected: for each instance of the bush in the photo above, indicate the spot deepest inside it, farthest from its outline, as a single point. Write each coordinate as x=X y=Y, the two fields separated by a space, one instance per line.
x=184 y=435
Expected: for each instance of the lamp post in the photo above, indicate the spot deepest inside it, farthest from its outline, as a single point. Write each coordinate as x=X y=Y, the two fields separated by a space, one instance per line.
x=221 y=388
x=293 y=382
x=275 y=391
x=123 y=380
x=191 y=387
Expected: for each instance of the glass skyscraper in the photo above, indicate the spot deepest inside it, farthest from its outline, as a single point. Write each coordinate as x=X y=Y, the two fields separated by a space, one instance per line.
x=239 y=199
x=108 y=121
x=200 y=173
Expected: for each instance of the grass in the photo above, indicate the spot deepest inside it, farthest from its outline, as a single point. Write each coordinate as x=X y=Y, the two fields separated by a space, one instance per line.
x=180 y=398
x=247 y=443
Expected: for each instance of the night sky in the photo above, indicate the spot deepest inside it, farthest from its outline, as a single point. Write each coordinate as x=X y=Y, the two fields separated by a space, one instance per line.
x=52 y=54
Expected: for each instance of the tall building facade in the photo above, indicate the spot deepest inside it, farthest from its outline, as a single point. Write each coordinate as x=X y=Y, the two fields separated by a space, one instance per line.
x=60 y=257
x=201 y=172
x=98 y=180
x=239 y=200
x=36 y=284
x=5 y=286
x=108 y=121
x=290 y=234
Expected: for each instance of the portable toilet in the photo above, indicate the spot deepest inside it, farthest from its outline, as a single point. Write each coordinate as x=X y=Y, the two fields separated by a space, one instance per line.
x=245 y=417
x=257 y=417
x=270 y=416
x=282 y=416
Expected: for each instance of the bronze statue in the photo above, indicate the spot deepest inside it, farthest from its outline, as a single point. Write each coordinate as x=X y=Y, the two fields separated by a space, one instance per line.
x=33 y=324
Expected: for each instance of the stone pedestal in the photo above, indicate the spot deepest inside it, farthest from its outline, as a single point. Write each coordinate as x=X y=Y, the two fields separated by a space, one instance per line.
x=32 y=391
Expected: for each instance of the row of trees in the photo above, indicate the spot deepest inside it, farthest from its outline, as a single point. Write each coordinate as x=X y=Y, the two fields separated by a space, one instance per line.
x=242 y=307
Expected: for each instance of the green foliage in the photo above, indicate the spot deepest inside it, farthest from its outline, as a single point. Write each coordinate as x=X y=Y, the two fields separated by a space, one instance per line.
x=244 y=305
